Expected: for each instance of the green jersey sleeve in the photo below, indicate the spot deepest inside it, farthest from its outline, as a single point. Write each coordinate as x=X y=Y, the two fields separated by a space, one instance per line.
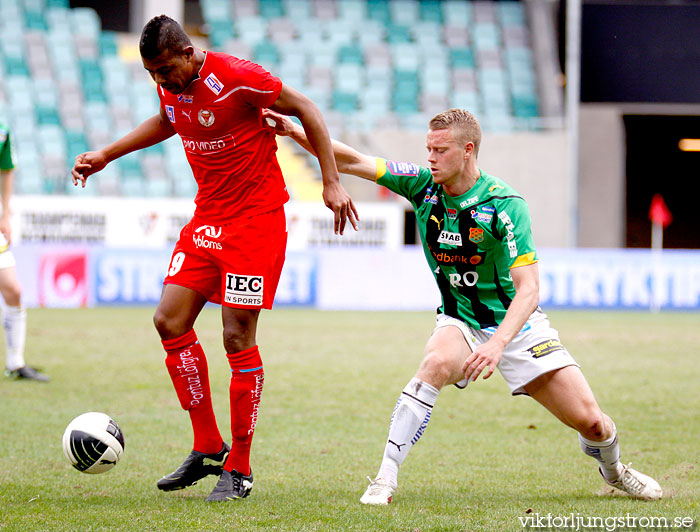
x=406 y=179
x=5 y=149
x=514 y=227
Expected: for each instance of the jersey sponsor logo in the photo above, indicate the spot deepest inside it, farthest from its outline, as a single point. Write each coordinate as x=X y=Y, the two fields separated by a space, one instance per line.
x=214 y=84
x=476 y=235
x=398 y=168
x=452 y=214
x=206 y=117
x=207 y=146
x=494 y=187
x=202 y=233
x=476 y=259
x=447 y=237
x=460 y=280
x=433 y=218
x=449 y=256
x=545 y=348
x=510 y=236
x=481 y=217
x=469 y=201
x=209 y=231
x=244 y=290
x=430 y=197
x=170 y=111
x=488 y=208
x=185 y=98
x=187 y=114
x=201 y=242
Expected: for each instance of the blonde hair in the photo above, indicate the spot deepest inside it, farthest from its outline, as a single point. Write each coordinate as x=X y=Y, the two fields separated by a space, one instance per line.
x=463 y=124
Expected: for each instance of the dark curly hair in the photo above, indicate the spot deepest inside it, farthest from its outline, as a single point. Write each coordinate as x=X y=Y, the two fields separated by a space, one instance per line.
x=162 y=33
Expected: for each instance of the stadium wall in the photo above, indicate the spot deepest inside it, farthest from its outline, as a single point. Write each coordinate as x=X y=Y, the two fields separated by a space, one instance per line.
x=110 y=251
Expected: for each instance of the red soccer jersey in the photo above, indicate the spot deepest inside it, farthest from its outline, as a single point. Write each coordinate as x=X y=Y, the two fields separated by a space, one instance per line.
x=219 y=119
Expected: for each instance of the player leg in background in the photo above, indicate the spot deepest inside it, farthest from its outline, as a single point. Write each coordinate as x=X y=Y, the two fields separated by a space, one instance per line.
x=566 y=394
x=187 y=365
x=245 y=392
x=14 y=321
x=445 y=353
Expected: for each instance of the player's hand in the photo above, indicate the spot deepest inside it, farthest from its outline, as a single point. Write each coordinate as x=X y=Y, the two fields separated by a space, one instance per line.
x=282 y=125
x=339 y=201
x=485 y=358
x=87 y=164
x=6 y=228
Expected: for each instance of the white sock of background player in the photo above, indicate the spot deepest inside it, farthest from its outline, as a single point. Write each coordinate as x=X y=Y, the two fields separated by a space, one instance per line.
x=408 y=422
x=14 y=321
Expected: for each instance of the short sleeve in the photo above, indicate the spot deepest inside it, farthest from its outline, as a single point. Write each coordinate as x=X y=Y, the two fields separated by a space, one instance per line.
x=515 y=228
x=258 y=87
x=406 y=179
x=6 y=162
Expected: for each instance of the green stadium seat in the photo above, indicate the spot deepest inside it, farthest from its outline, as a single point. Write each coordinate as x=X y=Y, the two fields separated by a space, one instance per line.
x=378 y=10
x=271 y=9
x=34 y=20
x=344 y=102
x=351 y=53
x=265 y=53
x=430 y=10
x=462 y=58
x=398 y=33
x=107 y=42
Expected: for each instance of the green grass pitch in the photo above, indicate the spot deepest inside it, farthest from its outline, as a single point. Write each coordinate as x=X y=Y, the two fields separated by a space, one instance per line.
x=332 y=378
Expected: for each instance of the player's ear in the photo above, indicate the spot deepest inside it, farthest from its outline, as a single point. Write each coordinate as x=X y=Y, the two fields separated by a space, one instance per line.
x=468 y=149
x=188 y=52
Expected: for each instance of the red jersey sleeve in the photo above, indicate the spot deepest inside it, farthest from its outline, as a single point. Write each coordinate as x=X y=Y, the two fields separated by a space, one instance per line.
x=259 y=87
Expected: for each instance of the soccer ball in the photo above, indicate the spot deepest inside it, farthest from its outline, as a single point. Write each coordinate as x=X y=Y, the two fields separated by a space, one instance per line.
x=93 y=443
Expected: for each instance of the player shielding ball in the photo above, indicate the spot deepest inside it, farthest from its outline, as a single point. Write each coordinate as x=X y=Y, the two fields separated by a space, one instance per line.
x=476 y=235
x=232 y=251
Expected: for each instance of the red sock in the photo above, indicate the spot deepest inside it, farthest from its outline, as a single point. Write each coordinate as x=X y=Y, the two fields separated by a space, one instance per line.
x=189 y=372
x=247 y=377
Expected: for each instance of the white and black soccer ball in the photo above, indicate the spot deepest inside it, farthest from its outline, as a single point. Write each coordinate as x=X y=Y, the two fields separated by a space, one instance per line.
x=93 y=443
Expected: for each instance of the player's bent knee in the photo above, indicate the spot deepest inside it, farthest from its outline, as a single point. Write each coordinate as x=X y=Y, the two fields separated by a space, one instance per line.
x=593 y=426
x=438 y=369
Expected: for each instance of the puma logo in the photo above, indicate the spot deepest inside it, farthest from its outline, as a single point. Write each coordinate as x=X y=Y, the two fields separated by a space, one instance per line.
x=398 y=445
x=438 y=222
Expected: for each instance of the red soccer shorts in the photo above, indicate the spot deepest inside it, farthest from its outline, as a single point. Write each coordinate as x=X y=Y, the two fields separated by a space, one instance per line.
x=237 y=265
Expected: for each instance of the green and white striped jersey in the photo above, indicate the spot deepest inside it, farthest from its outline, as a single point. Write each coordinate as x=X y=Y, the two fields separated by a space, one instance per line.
x=470 y=241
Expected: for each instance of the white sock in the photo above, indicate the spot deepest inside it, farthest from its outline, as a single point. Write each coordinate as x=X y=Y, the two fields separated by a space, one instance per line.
x=607 y=453
x=408 y=422
x=14 y=321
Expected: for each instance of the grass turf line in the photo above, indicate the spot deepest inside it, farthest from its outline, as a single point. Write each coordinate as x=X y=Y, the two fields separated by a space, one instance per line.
x=332 y=379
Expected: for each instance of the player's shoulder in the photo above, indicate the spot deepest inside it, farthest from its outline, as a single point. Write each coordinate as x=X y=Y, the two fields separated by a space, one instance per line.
x=496 y=189
x=233 y=67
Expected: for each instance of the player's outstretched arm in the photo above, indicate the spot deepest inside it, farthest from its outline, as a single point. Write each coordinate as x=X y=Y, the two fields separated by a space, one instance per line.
x=152 y=131
x=292 y=102
x=526 y=280
x=349 y=160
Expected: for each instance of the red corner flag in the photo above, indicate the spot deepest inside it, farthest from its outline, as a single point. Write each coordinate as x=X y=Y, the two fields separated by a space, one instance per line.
x=659 y=213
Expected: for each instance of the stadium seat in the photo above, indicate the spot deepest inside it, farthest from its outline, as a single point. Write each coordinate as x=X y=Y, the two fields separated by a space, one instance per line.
x=364 y=62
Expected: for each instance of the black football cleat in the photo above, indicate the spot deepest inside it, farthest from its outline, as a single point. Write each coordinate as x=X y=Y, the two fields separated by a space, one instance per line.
x=26 y=373
x=195 y=467
x=231 y=486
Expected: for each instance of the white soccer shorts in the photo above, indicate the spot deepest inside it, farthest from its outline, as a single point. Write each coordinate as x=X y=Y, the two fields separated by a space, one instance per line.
x=534 y=351
x=7 y=259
